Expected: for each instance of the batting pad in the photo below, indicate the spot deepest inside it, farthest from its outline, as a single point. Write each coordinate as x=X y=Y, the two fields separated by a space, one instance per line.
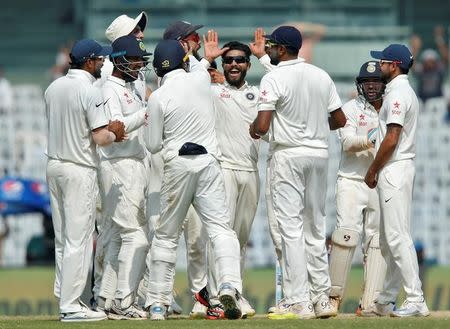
x=344 y=242
x=374 y=273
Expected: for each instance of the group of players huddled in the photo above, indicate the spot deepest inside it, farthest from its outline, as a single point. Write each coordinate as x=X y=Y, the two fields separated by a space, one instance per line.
x=142 y=167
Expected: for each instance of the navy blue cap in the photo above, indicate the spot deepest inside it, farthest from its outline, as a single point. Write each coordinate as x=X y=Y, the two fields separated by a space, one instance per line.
x=287 y=36
x=129 y=45
x=369 y=70
x=168 y=55
x=88 y=48
x=179 y=30
x=395 y=52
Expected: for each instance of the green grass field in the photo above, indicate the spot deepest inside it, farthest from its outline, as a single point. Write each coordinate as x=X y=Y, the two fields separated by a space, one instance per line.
x=435 y=321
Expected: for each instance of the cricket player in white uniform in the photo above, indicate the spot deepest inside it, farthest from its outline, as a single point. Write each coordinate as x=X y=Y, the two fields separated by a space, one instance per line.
x=357 y=206
x=235 y=106
x=124 y=177
x=392 y=172
x=76 y=123
x=299 y=103
x=194 y=235
x=182 y=127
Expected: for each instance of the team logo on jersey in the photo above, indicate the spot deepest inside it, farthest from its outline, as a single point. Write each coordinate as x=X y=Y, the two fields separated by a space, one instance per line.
x=224 y=93
x=250 y=96
x=362 y=122
x=396 y=105
x=264 y=92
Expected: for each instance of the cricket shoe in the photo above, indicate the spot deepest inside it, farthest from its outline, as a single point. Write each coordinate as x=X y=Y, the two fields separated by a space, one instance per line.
x=301 y=310
x=158 y=312
x=383 y=309
x=229 y=298
x=247 y=310
x=335 y=302
x=174 y=308
x=203 y=297
x=215 y=312
x=323 y=308
x=85 y=315
x=409 y=309
x=198 y=311
x=133 y=312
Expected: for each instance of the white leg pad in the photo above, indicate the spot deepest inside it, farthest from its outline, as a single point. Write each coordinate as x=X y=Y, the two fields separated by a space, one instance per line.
x=374 y=273
x=344 y=242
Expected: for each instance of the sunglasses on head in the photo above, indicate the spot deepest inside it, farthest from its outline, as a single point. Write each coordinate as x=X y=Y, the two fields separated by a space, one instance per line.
x=237 y=59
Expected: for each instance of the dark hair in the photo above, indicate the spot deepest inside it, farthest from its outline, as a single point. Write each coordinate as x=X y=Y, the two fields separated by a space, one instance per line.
x=236 y=45
x=403 y=71
x=76 y=64
x=291 y=50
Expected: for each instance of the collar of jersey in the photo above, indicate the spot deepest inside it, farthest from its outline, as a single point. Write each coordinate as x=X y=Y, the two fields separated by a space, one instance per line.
x=171 y=74
x=291 y=62
x=79 y=73
x=398 y=80
x=116 y=80
x=243 y=87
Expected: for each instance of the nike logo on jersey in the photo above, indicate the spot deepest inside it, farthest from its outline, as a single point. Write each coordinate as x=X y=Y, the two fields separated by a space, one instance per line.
x=104 y=103
x=387 y=200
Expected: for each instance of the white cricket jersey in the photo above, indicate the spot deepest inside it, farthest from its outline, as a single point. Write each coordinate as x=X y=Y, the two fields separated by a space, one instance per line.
x=139 y=86
x=301 y=96
x=74 y=107
x=122 y=104
x=181 y=111
x=356 y=156
x=400 y=106
x=235 y=110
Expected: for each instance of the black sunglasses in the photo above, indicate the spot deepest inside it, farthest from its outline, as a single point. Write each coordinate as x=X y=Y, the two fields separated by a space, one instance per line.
x=237 y=59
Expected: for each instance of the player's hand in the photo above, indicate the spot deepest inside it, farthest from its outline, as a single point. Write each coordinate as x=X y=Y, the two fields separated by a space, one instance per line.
x=216 y=76
x=252 y=132
x=371 y=178
x=211 y=46
x=258 y=46
x=117 y=128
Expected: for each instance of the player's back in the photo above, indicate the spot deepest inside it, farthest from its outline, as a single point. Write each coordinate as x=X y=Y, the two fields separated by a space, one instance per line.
x=188 y=111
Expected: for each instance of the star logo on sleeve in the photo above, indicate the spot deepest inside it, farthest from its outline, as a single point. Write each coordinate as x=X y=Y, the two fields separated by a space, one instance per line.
x=396 y=105
x=362 y=117
x=264 y=92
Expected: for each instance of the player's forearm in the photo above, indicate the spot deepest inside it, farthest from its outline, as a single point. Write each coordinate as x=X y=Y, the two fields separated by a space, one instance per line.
x=355 y=143
x=134 y=121
x=384 y=153
x=103 y=137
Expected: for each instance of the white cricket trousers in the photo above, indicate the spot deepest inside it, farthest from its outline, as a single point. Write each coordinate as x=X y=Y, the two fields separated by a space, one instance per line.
x=73 y=194
x=195 y=180
x=395 y=188
x=125 y=226
x=298 y=190
x=274 y=230
x=242 y=190
x=357 y=208
x=194 y=235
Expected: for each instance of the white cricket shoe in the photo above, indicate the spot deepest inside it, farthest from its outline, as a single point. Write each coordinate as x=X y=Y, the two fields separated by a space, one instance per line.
x=323 y=308
x=247 y=310
x=158 y=311
x=301 y=310
x=198 y=311
x=335 y=302
x=409 y=309
x=228 y=297
x=383 y=309
x=133 y=312
x=85 y=315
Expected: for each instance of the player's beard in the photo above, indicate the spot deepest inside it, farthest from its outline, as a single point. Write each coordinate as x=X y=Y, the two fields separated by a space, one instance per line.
x=236 y=82
x=98 y=72
x=274 y=57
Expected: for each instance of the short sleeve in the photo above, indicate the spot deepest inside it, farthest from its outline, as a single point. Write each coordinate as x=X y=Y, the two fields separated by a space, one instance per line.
x=268 y=94
x=396 y=110
x=95 y=110
x=334 y=101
